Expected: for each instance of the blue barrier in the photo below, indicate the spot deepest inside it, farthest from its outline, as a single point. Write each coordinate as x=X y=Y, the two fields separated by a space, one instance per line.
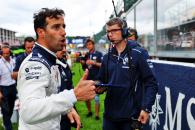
x=174 y=108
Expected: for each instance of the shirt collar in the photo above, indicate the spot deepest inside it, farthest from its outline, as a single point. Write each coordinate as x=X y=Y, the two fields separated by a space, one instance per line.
x=52 y=53
x=4 y=60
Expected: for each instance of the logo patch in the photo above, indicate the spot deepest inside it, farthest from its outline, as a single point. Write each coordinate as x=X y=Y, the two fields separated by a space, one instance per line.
x=156 y=111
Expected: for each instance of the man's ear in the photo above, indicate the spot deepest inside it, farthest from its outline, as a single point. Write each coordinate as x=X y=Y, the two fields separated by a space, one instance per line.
x=41 y=32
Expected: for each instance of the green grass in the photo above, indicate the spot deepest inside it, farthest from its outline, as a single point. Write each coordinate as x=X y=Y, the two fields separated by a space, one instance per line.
x=15 y=125
x=88 y=123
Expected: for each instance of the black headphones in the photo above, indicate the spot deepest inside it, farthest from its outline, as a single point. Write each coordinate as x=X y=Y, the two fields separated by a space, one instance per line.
x=124 y=29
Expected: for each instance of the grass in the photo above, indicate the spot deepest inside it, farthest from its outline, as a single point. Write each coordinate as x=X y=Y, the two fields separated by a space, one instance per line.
x=88 y=123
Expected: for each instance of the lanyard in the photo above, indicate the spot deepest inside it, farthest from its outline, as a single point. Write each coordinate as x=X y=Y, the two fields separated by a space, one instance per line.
x=9 y=68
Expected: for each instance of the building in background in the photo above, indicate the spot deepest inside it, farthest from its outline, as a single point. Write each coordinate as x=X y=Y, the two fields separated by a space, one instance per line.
x=166 y=28
x=8 y=36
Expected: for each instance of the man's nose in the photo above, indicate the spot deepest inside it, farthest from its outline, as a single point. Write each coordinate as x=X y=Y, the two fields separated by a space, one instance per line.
x=63 y=32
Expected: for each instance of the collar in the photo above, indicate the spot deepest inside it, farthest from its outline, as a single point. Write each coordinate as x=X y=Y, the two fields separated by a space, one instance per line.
x=4 y=60
x=92 y=51
x=115 y=52
x=25 y=54
x=46 y=49
x=61 y=63
x=49 y=55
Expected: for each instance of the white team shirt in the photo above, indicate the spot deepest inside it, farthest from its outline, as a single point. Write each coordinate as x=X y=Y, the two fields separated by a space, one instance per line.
x=6 y=69
x=41 y=105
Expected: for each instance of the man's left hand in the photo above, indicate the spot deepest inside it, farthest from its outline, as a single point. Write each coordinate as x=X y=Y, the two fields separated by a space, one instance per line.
x=90 y=62
x=143 y=117
x=73 y=116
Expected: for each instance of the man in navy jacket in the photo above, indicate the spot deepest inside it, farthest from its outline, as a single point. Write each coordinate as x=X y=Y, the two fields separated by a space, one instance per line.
x=28 y=46
x=127 y=69
x=66 y=83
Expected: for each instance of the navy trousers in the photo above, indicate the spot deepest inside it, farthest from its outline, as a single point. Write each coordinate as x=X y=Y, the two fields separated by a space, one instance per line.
x=116 y=125
x=9 y=97
x=65 y=123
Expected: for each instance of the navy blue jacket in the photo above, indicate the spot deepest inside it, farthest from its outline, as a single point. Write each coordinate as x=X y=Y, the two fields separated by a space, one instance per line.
x=66 y=76
x=133 y=90
x=93 y=70
x=19 y=60
x=41 y=55
x=66 y=83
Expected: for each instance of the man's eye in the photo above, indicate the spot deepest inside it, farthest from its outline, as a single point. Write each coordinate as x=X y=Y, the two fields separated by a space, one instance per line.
x=56 y=27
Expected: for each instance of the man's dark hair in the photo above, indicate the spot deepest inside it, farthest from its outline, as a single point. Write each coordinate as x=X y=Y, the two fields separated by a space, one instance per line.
x=28 y=39
x=120 y=22
x=89 y=40
x=40 y=17
x=5 y=44
x=3 y=47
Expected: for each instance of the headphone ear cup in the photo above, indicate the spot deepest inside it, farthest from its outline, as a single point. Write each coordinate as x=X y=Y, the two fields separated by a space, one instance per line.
x=125 y=32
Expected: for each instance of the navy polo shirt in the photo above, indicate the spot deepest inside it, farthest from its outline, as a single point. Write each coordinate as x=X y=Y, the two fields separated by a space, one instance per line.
x=93 y=70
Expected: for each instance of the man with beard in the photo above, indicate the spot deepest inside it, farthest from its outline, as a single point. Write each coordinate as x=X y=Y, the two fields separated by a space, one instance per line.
x=39 y=81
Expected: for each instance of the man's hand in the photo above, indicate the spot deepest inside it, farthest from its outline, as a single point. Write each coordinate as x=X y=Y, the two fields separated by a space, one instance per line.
x=1 y=98
x=143 y=117
x=14 y=75
x=85 y=89
x=90 y=62
x=74 y=117
x=100 y=89
x=82 y=62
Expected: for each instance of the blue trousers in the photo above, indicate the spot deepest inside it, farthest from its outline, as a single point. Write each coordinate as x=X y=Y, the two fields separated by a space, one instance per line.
x=9 y=97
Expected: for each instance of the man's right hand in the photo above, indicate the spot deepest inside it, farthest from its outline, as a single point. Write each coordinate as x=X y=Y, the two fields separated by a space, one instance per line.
x=85 y=89
x=1 y=98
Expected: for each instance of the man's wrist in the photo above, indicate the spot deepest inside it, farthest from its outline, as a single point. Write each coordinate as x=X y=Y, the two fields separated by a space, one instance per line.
x=146 y=110
x=72 y=96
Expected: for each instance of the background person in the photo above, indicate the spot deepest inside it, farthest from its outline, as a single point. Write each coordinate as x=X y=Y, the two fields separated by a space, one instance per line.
x=126 y=67
x=0 y=52
x=132 y=34
x=66 y=83
x=28 y=45
x=92 y=60
x=41 y=104
x=7 y=87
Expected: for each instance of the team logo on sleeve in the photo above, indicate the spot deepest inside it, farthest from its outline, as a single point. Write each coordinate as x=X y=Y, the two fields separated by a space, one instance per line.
x=33 y=72
x=27 y=70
